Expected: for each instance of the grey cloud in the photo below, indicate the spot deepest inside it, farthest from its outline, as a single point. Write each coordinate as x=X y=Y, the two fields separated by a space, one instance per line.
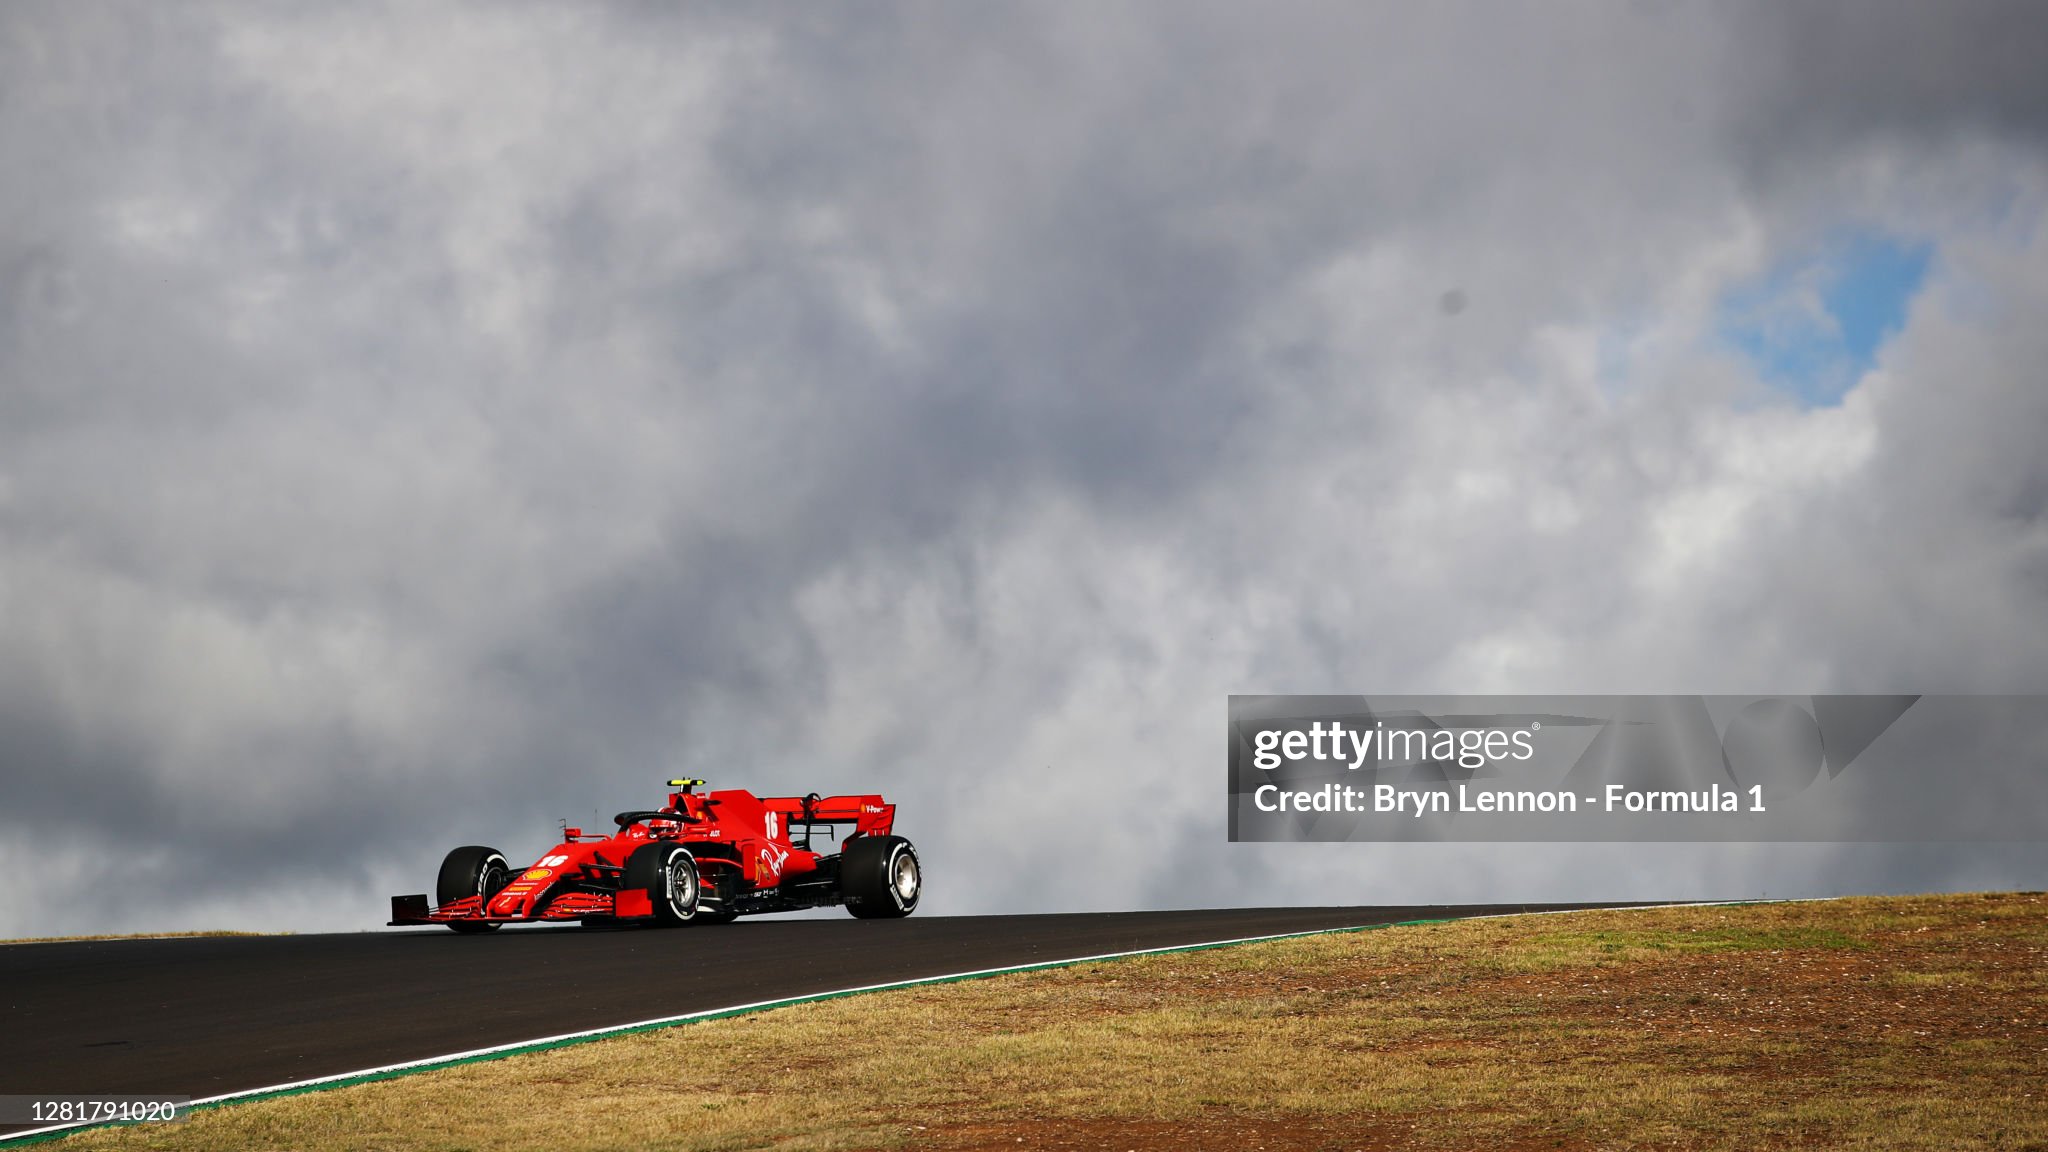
x=420 y=423
x=1830 y=76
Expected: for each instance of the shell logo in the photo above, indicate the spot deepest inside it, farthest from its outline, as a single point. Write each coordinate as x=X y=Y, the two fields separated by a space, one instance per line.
x=538 y=873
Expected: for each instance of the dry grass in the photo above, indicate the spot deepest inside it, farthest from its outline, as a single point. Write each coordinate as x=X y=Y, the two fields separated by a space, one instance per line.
x=1915 y=1023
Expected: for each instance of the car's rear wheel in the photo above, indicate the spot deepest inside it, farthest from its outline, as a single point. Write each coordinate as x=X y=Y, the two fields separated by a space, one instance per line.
x=472 y=870
x=880 y=877
x=668 y=874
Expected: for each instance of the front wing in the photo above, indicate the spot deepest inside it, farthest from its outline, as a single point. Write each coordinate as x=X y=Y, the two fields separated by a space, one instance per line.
x=625 y=905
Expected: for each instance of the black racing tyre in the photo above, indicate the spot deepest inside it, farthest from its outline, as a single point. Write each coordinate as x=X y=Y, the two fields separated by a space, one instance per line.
x=668 y=874
x=880 y=877
x=472 y=870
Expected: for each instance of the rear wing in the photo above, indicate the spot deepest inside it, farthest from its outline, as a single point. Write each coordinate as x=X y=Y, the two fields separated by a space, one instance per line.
x=869 y=815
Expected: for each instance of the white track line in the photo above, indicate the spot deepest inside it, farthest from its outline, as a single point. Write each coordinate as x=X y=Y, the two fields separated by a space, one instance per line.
x=786 y=1001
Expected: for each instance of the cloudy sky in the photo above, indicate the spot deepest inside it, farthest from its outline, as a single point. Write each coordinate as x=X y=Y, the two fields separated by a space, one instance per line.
x=419 y=423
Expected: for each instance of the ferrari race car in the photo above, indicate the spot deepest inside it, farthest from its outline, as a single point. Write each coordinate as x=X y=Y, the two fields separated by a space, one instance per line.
x=703 y=859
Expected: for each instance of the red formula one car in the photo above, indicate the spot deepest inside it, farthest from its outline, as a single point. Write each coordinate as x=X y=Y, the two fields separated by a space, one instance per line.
x=702 y=859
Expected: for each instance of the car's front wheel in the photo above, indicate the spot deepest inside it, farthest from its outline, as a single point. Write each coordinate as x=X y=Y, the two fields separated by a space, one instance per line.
x=668 y=874
x=472 y=870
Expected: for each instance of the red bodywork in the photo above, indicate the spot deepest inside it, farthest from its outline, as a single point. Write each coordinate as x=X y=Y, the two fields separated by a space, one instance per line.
x=756 y=854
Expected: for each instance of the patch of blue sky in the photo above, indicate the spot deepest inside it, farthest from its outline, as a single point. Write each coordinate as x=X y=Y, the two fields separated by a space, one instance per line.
x=1813 y=325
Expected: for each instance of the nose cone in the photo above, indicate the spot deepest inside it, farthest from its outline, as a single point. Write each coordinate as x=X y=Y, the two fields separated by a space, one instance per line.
x=518 y=897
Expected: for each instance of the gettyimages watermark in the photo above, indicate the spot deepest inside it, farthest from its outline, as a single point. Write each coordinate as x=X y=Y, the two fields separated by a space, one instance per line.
x=1639 y=768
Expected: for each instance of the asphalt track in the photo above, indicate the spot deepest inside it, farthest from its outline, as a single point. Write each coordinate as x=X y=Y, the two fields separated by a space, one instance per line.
x=210 y=1015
